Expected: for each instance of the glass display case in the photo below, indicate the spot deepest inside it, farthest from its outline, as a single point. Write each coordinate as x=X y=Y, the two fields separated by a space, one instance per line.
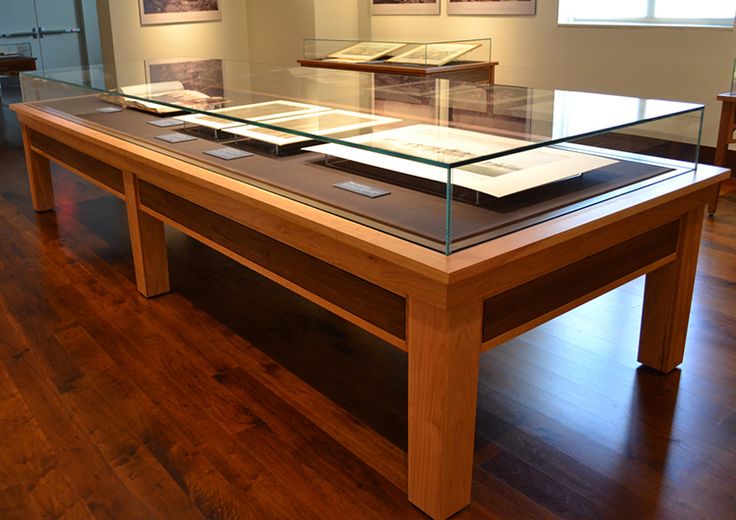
x=407 y=53
x=467 y=60
x=441 y=163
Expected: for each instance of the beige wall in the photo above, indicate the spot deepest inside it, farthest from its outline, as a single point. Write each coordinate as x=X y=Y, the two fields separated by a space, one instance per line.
x=134 y=43
x=336 y=18
x=277 y=28
x=667 y=63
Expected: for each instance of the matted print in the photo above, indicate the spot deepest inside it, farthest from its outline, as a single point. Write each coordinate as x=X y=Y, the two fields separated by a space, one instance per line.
x=322 y=123
x=436 y=54
x=497 y=177
x=366 y=51
x=405 y=7
x=501 y=7
x=179 y=11
x=201 y=74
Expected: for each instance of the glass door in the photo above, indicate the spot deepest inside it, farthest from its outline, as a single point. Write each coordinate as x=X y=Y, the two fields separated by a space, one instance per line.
x=62 y=33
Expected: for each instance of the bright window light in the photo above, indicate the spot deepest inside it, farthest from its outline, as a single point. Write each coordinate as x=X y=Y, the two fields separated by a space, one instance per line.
x=693 y=13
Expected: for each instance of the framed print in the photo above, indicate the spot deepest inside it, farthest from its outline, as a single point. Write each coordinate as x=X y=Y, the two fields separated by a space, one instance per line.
x=436 y=54
x=201 y=74
x=405 y=6
x=365 y=51
x=500 y=7
x=179 y=11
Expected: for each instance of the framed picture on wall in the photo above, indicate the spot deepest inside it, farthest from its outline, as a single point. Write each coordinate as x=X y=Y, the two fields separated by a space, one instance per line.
x=179 y=11
x=200 y=74
x=405 y=6
x=499 y=7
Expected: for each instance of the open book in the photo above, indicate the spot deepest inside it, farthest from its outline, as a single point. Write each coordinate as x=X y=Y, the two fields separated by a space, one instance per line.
x=157 y=98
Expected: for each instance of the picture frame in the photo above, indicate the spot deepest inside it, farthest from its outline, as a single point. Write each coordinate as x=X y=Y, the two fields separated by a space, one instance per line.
x=156 y=12
x=365 y=51
x=405 y=7
x=435 y=54
x=492 y=7
x=205 y=75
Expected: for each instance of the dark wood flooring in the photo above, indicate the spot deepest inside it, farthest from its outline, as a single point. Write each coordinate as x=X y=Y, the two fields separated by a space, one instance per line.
x=232 y=398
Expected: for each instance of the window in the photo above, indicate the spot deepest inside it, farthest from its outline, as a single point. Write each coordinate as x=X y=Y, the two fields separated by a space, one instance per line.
x=690 y=13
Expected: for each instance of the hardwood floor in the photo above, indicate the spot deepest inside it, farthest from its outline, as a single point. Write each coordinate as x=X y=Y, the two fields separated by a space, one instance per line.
x=232 y=398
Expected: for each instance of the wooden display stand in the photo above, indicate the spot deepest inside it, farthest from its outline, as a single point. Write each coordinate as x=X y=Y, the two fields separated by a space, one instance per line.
x=12 y=65
x=443 y=310
x=462 y=71
x=726 y=127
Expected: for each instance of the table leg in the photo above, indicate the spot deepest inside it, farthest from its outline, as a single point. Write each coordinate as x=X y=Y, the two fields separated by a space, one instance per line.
x=444 y=356
x=667 y=298
x=39 y=176
x=148 y=242
x=725 y=132
x=713 y=204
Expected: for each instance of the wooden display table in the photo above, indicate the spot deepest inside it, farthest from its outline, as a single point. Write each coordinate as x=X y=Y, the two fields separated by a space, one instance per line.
x=461 y=70
x=12 y=65
x=443 y=310
x=726 y=127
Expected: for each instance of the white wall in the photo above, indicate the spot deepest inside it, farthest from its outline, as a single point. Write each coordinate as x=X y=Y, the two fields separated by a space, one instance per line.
x=666 y=63
x=133 y=43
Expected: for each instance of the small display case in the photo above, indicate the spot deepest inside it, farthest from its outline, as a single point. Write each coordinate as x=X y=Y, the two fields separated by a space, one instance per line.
x=441 y=163
x=15 y=58
x=15 y=50
x=469 y=60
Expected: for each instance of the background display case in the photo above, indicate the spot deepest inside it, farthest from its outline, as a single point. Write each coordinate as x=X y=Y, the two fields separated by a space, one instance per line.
x=727 y=124
x=10 y=50
x=468 y=60
x=440 y=163
x=15 y=58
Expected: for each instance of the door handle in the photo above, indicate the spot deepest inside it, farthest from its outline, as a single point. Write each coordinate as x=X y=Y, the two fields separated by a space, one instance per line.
x=19 y=34
x=68 y=30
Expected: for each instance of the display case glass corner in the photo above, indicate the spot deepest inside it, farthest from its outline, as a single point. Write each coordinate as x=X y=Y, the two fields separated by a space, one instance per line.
x=444 y=164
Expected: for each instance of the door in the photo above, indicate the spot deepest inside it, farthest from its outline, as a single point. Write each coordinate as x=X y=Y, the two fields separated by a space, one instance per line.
x=18 y=25
x=62 y=33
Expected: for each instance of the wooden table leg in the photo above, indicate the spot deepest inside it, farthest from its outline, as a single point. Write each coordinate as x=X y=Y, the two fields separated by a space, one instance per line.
x=148 y=241
x=725 y=132
x=444 y=356
x=39 y=176
x=667 y=298
x=713 y=204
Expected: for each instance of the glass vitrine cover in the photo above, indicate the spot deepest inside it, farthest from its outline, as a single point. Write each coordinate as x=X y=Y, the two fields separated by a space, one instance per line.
x=400 y=53
x=442 y=163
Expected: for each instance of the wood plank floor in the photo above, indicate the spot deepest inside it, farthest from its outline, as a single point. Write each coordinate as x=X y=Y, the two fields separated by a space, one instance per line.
x=232 y=398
